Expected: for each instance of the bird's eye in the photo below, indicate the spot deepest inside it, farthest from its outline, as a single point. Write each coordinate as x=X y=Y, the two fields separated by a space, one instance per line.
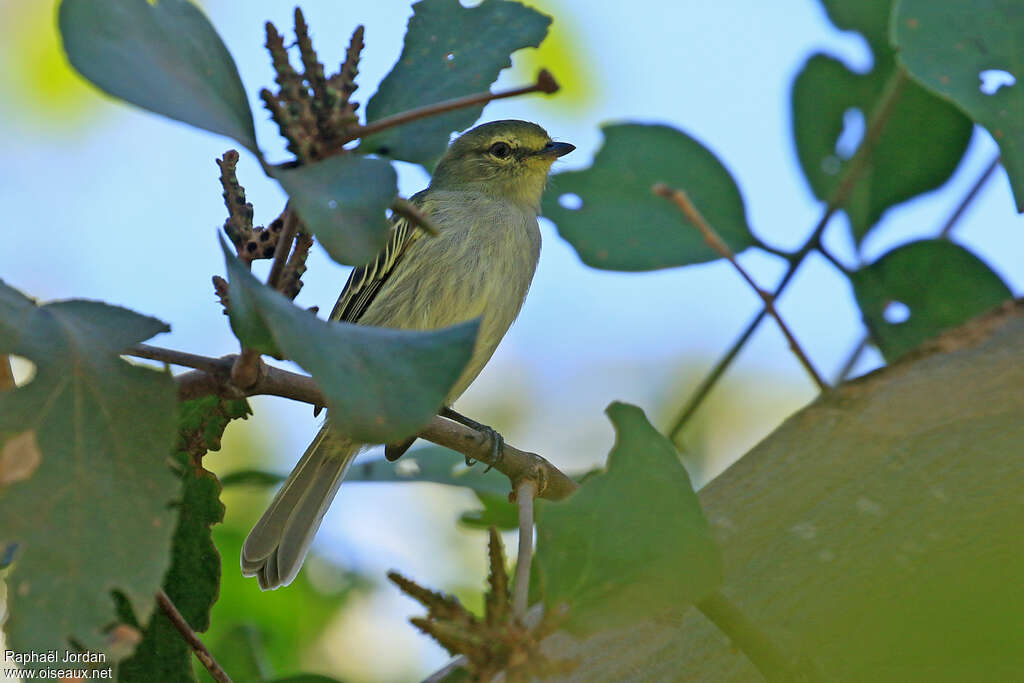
x=500 y=150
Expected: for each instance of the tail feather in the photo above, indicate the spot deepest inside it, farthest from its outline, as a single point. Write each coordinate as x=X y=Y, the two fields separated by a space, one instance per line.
x=275 y=548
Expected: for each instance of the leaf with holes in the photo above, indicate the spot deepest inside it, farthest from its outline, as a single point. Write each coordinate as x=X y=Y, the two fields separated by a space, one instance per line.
x=381 y=384
x=610 y=216
x=342 y=201
x=450 y=51
x=971 y=52
x=95 y=514
x=941 y=283
x=162 y=56
x=920 y=146
x=632 y=539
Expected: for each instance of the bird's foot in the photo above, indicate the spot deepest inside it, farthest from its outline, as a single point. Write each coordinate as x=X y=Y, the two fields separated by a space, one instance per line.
x=496 y=439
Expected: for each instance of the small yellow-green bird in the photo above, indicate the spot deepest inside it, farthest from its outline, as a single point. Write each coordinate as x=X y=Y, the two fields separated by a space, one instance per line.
x=484 y=197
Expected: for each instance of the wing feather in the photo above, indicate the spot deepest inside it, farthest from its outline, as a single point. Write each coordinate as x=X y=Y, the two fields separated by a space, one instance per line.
x=365 y=281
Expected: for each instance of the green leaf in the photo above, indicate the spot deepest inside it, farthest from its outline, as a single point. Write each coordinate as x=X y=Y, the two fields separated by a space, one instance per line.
x=941 y=283
x=922 y=141
x=496 y=512
x=381 y=384
x=306 y=678
x=342 y=200
x=621 y=225
x=193 y=580
x=95 y=515
x=161 y=55
x=631 y=540
x=947 y=46
x=450 y=51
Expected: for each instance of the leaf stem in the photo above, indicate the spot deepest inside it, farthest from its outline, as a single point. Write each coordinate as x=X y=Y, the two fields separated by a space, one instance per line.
x=771 y=661
x=851 y=174
x=203 y=654
x=545 y=83
x=525 y=493
x=693 y=215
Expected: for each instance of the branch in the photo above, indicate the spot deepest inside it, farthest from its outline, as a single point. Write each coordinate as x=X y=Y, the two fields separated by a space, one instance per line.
x=545 y=83
x=851 y=174
x=215 y=378
x=191 y=638
x=683 y=203
x=6 y=373
x=525 y=492
x=772 y=662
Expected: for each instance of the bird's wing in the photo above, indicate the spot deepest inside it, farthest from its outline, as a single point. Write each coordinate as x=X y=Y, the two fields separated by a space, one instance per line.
x=365 y=281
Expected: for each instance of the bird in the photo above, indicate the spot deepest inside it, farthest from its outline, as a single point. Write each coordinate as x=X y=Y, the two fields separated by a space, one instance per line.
x=484 y=196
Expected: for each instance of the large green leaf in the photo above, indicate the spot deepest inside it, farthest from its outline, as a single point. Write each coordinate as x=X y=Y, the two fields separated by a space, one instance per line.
x=161 y=55
x=193 y=580
x=948 y=46
x=621 y=225
x=450 y=51
x=631 y=540
x=941 y=283
x=95 y=515
x=381 y=384
x=920 y=146
x=342 y=200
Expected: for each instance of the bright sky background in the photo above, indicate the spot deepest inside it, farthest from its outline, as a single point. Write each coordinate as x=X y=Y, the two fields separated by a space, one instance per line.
x=106 y=202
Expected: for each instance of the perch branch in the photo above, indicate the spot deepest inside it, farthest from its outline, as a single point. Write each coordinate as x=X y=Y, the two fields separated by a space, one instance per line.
x=215 y=378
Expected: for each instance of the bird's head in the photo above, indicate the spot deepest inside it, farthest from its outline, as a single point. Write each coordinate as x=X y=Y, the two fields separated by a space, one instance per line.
x=510 y=159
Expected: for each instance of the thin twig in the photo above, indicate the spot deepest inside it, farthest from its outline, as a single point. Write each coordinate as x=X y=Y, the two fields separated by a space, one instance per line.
x=693 y=215
x=851 y=174
x=284 y=246
x=173 y=357
x=525 y=493
x=545 y=83
x=216 y=379
x=954 y=217
x=771 y=661
x=831 y=258
x=851 y=361
x=191 y=638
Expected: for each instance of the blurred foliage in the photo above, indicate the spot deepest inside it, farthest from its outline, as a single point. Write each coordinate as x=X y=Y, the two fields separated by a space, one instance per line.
x=565 y=53
x=920 y=146
x=632 y=540
x=930 y=278
x=34 y=71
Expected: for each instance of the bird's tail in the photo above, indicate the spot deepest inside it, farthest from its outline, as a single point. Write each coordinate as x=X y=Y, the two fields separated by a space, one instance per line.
x=275 y=548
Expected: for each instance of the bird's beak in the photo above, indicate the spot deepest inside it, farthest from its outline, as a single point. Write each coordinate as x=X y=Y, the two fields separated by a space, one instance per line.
x=556 y=149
